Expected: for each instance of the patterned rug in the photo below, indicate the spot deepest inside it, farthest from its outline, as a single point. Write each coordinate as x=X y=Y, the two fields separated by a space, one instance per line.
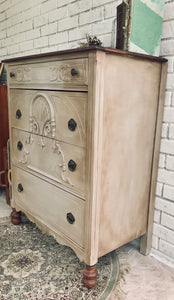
x=34 y=266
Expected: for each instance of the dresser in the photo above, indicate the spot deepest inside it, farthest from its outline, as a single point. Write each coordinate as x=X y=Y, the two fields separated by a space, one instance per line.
x=85 y=128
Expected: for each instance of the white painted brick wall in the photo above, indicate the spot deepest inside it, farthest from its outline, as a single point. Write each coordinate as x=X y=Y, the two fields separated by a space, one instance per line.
x=38 y=26
x=163 y=231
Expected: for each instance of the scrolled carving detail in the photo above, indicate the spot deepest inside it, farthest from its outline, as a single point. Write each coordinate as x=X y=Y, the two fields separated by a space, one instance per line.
x=23 y=74
x=60 y=73
x=62 y=165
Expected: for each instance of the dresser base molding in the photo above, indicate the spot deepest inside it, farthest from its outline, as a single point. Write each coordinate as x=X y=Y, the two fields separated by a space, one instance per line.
x=61 y=239
x=15 y=217
x=90 y=276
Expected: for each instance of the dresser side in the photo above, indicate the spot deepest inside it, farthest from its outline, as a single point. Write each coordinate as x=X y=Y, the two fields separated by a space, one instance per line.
x=131 y=95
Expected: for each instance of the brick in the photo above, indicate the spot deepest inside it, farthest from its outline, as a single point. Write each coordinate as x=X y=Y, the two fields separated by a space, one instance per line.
x=167 y=146
x=167 y=221
x=171 y=131
x=21 y=27
x=164 y=233
x=166 y=176
x=2 y=34
x=3 y=52
x=155 y=242
x=166 y=248
x=168 y=97
x=49 y=49
x=162 y=160
x=168 y=29
x=170 y=162
x=13 y=49
x=68 y=23
x=159 y=189
x=73 y=9
x=110 y=9
x=49 y=29
x=157 y=216
x=102 y=27
x=168 y=11
x=164 y=130
x=172 y=99
x=58 y=38
x=41 y=20
x=79 y=33
x=167 y=47
x=170 y=80
x=85 y=5
x=91 y=16
x=32 y=34
x=61 y=3
x=2 y=16
x=47 y=6
x=169 y=194
x=28 y=45
x=41 y=42
x=164 y=205
x=4 y=6
x=58 y=14
x=168 y=114
x=101 y=2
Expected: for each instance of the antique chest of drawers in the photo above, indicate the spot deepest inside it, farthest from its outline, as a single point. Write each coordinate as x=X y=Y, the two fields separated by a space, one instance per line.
x=85 y=132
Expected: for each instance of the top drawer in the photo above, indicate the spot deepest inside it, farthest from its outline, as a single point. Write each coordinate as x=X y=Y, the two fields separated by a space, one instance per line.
x=64 y=74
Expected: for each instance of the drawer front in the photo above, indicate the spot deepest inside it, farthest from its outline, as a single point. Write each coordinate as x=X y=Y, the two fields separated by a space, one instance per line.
x=59 y=210
x=55 y=74
x=60 y=115
x=61 y=162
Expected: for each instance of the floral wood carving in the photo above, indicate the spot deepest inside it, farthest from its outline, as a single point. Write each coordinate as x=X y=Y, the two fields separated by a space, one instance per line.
x=42 y=117
x=62 y=165
x=61 y=73
x=23 y=74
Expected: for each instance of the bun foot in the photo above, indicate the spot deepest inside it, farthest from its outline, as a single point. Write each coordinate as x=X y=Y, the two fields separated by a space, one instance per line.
x=15 y=217
x=90 y=276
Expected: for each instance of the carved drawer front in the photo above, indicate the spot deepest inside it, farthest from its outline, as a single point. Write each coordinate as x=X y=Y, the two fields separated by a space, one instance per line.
x=54 y=74
x=57 y=209
x=60 y=115
x=56 y=160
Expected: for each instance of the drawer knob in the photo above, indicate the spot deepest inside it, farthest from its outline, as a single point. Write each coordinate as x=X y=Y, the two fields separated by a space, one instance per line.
x=72 y=124
x=19 y=145
x=20 y=187
x=70 y=218
x=12 y=74
x=18 y=114
x=72 y=165
x=74 y=72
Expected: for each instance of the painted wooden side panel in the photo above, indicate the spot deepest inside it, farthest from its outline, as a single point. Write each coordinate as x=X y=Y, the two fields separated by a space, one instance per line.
x=129 y=120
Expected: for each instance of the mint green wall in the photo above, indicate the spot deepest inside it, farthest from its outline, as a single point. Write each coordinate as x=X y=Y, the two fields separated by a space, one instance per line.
x=146 y=26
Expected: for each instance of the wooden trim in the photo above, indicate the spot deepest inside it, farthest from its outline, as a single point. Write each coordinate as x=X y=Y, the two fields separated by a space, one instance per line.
x=87 y=49
x=146 y=240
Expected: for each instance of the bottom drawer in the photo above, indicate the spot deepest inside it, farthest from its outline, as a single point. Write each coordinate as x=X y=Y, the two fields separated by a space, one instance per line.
x=55 y=208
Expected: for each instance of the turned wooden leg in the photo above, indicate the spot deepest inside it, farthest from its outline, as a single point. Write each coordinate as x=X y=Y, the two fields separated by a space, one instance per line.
x=90 y=276
x=15 y=217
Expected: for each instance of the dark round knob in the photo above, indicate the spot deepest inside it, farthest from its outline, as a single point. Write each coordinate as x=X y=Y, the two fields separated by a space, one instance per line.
x=18 y=114
x=19 y=145
x=72 y=165
x=20 y=187
x=72 y=124
x=74 y=72
x=12 y=74
x=70 y=218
